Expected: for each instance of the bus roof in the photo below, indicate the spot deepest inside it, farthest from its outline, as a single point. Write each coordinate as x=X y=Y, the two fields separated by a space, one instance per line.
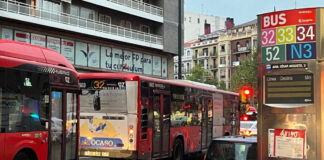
x=130 y=77
x=35 y=53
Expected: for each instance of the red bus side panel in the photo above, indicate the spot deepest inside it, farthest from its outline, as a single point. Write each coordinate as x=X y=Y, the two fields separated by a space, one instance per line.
x=37 y=141
x=191 y=136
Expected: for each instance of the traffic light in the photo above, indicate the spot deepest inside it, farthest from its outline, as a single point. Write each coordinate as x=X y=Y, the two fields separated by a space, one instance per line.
x=246 y=94
x=244 y=117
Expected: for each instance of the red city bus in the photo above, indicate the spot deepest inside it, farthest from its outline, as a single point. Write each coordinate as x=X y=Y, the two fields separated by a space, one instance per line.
x=137 y=117
x=39 y=109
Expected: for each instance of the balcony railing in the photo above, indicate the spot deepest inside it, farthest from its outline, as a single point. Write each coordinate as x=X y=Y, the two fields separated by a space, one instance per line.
x=64 y=18
x=213 y=67
x=145 y=7
x=213 y=54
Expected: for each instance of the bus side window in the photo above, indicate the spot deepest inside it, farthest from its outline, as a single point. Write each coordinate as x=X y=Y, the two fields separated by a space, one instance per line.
x=144 y=109
x=24 y=101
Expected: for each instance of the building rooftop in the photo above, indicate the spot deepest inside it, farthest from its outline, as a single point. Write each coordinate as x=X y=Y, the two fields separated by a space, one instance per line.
x=246 y=24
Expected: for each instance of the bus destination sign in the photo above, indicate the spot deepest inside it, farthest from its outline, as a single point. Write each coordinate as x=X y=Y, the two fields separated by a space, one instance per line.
x=288 y=35
x=289 y=89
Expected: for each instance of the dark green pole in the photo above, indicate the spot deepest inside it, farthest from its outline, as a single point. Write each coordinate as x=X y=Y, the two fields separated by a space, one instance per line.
x=179 y=41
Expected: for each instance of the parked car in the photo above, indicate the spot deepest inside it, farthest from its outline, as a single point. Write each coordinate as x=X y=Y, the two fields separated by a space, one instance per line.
x=233 y=148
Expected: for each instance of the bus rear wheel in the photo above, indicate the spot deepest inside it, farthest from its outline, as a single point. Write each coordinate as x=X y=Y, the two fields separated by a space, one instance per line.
x=22 y=156
x=177 y=150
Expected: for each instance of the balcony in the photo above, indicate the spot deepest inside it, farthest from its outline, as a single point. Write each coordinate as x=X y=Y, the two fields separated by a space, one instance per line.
x=202 y=55
x=213 y=67
x=222 y=65
x=132 y=7
x=213 y=54
x=27 y=13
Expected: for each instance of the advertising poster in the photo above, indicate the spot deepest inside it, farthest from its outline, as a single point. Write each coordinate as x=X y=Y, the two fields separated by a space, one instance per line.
x=99 y=133
x=128 y=62
x=54 y=44
x=147 y=61
x=68 y=50
x=137 y=63
x=288 y=143
x=93 y=55
x=106 y=57
x=81 y=53
x=7 y=34
x=22 y=36
x=38 y=39
x=164 y=67
x=156 y=65
x=117 y=60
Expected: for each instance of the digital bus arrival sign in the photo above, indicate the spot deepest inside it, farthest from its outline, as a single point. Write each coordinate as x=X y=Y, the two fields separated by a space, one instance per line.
x=288 y=35
x=289 y=89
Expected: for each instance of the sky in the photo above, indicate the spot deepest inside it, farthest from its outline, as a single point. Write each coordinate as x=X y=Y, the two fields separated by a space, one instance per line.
x=245 y=10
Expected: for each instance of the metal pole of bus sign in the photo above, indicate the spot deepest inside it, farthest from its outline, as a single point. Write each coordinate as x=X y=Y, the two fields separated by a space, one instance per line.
x=179 y=41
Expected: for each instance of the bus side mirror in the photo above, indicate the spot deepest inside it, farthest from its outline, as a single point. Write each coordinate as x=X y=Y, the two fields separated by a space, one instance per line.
x=96 y=102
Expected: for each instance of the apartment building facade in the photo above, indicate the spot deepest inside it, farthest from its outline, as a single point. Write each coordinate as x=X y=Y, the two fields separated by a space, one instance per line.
x=221 y=51
x=194 y=24
x=127 y=36
x=186 y=61
x=243 y=42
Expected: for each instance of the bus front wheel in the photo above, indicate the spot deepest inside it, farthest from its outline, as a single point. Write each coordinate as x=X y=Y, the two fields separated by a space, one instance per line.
x=22 y=156
x=178 y=150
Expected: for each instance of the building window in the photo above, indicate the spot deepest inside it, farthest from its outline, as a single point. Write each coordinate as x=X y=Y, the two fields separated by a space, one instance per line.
x=222 y=73
x=126 y=24
x=196 y=53
x=189 y=19
x=104 y=18
x=247 y=44
x=222 y=60
x=145 y=28
x=222 y=48
x=188 y=53
x=198 y=20
x=86 y=13
x=255 y=43
x=238 y=45
x=51 y=6
x=205 y=52
x=214 y=51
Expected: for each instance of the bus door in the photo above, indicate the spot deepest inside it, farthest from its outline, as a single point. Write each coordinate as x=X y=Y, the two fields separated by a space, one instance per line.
x=63 y=131
x=207 y=121
x=56 y=125
x=161 y=123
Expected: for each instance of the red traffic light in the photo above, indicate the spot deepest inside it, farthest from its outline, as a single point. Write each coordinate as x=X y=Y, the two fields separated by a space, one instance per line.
x=247 y=91
x=245 y=118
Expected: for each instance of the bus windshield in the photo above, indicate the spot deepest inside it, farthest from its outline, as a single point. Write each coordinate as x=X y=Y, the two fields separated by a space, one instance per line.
x=113 y=97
